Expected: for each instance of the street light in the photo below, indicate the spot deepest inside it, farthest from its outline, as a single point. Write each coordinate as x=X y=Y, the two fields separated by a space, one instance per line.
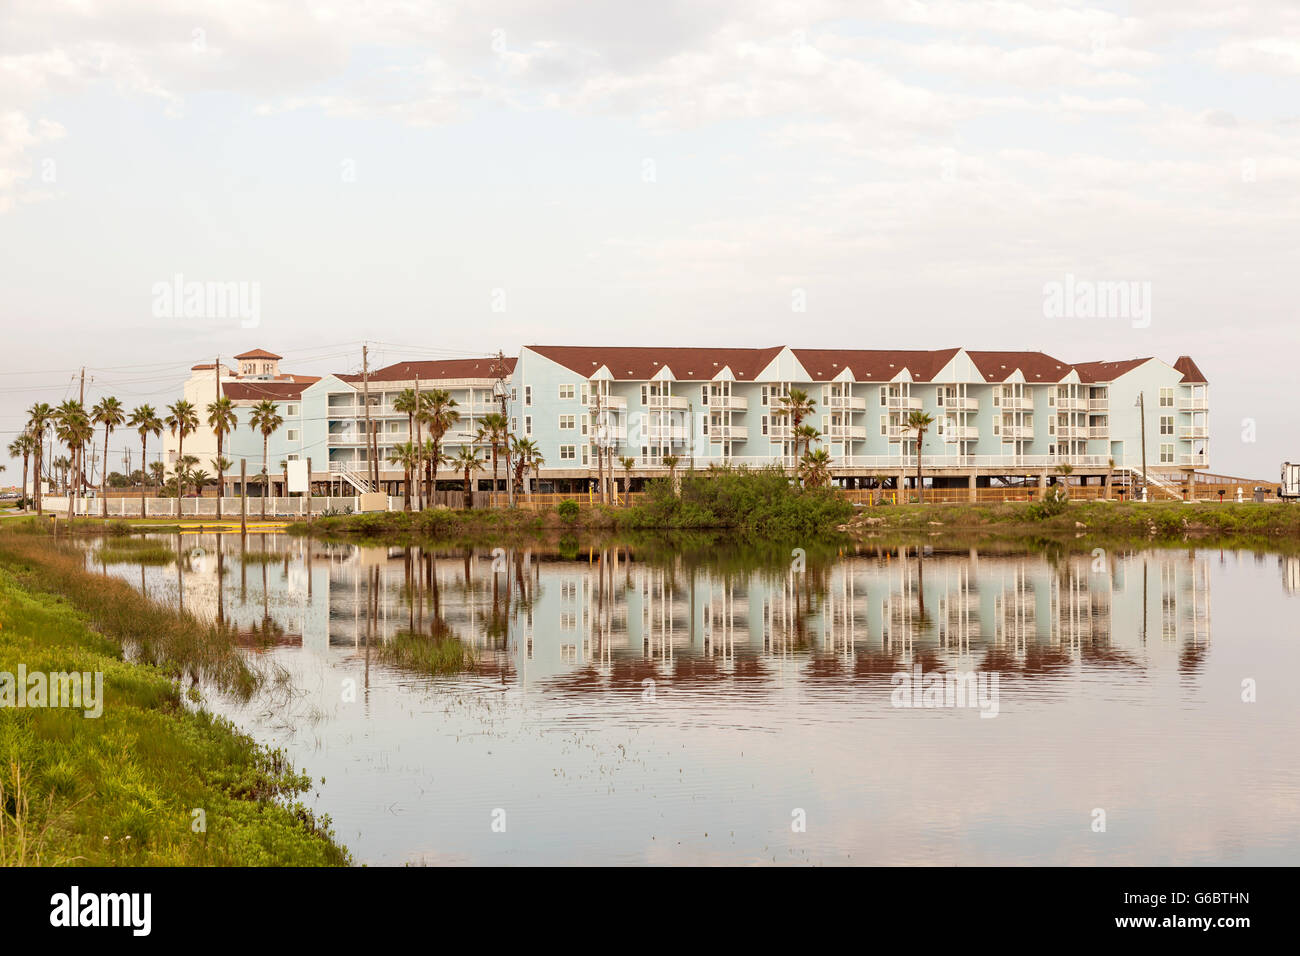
x=1142 y=418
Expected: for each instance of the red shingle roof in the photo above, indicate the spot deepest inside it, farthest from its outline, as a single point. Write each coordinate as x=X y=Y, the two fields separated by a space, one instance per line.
x=482 y=368
x=639 y=364
x=873 y=365
x=276 y=391
x=259 y=354
x=1191 y=374
x=1107 y=371
x=1034 y=366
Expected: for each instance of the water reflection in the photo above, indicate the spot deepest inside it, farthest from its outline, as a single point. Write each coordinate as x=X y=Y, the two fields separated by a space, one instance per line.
x=533 y=616
x=673 y=702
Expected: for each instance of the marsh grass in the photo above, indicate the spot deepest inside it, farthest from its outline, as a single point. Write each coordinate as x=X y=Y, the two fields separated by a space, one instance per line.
x=135 y=551
x=122 y=789
x=439 y=655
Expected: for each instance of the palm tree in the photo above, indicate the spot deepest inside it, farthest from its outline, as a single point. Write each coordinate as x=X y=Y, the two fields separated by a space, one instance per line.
x=520 y=450
x=1110 y=475
x=1064 y=469
x=494 y=432
x=220 y=465
x=23 y=446
x=918 y=422
x=468 y=461
x=430 y=458
x=222 y=420
x=439 y=412
x=806 y=434
x=145 y=421
x=39 y=417
x=108 y=412
x=74 y=429
x=184 y=468
x=265 y=418
x=408 y=402
x=183 y=420
x=158 y=471
x=405 y=454
x=796 y=406
x=199 y=478
x=815 y=468
x=671 y=462
x=628 y=464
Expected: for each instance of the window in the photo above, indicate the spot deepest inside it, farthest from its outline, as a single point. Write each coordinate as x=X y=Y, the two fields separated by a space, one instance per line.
x=567 y=392
x=513 y=394
x=763 y=396
x=645 y=394
x=291 y=411
x=567 y=423
x=884 y=394
x=704 y=394
x=291 y=434
x=528 y=395
x=291 y=457
x=764 y=424
x=1167 y=453
x=568 y=622
x=584 y=454
x=1166 y=398
x=528 y=424
x=884 y=424
x=997 y=397
x=568 y=452
x=514 y=424
x=1166 y=424
x=586 y=393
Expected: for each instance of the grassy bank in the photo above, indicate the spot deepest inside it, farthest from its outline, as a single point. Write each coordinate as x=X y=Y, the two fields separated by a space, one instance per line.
x=757 y=503
x=1248 y=524
x=149 y=781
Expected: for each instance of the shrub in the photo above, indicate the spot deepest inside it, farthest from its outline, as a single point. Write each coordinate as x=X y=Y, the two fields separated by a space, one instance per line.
x=567 y=510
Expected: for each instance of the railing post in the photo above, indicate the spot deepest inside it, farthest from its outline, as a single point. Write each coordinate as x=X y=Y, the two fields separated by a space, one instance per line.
x=243 y=496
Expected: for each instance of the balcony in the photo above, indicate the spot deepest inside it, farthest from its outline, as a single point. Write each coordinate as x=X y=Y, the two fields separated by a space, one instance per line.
x=1014 y=403
x=666 y=401
x=960 y=404
x=728 y=433
x=1016 y=432
x=728 y=402
x=1099 y=404
x=846 y=432
x=1193 y=404
x=1072 y=404
x=1099 y=432
x=847 y=403
x=961 y=433
x=1193 y=461
x=1072 y=432
x=903 y=403
x=1194 y=431
x=616 y=402
x=780 y=432
x=664 y=433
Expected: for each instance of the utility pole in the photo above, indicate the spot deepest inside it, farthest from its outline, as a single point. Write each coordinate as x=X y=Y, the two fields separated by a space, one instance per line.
x=503 y=394
x=365 y=391
x=418 y=440
x=600 y=461
x=1142 y=412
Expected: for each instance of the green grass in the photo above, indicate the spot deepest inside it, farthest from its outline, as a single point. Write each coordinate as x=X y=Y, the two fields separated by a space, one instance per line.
x=132 y=550
x=437 y=655
x=124 y=788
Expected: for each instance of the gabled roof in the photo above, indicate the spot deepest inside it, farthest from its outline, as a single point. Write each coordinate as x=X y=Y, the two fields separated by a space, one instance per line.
x=873 y=365
x=632 y=364
x=247 y=391
x=1035 y=366
x=1108 y=371
x=259 y=353
x=1191 y=374
x=482 y=368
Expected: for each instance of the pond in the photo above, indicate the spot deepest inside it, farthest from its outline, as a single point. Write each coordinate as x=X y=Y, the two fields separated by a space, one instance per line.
x=664 y=705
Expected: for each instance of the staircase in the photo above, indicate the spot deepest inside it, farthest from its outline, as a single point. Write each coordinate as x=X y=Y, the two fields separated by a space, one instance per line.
x=1159 y=488
x=356 y=480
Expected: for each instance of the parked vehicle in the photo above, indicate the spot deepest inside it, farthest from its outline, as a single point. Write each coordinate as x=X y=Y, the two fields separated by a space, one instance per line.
x=1290 y=487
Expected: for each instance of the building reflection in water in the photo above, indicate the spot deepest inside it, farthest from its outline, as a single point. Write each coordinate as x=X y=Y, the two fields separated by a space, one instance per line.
x=623 y=614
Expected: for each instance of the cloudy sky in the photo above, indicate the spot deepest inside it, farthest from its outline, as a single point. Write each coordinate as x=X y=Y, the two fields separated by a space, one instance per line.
x=449 y=178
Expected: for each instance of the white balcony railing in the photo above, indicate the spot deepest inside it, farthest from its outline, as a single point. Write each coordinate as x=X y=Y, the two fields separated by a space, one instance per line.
x=1072 y=404
x=734 y=403
x=961 y=433
x=903 y=402
x=1015 y=403
x=728 y=432
x=959 y=404
x=1074 y=432
x=660 y=433
x=1016 y=432
x=846 y=432
x=666 y=401
x=1193 y=404
x=851 y=403
x=607 y=401
x=1098 y=404
x=1099 y=432
x=1194 y=431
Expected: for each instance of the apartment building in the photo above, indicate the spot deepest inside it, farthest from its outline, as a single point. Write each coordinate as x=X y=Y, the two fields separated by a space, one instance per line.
x=996 y=413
